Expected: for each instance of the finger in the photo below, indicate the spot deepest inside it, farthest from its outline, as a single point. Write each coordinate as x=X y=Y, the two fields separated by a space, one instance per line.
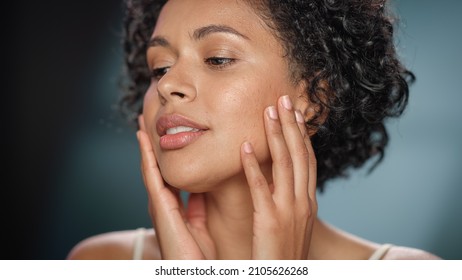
x=302 y=192
x=295 y=145
x=196 y=212
x=153 y=180
x=177 y=193
x=151 y=173
x=259 y=189
x=301 y=124
x=141 y=123
x=149 y=162
x=312 y=163
x=311 y=188
x=283 y=174
x=312 y=167
x=197 y=224
x=164 y=206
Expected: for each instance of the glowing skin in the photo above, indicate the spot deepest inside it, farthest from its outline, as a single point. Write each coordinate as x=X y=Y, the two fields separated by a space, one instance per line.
x=220 y=120
x=219 y=70
x=223 y=120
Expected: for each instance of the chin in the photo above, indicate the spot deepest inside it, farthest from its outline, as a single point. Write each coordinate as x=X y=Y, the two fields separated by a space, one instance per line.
x=195 y=179
x=186 y=180
x=188 y=184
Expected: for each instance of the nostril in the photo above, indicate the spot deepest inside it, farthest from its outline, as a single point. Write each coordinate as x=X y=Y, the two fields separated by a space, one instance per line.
x=179 y=94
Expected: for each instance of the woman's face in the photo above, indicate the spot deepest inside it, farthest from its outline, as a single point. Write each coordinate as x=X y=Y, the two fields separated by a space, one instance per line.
x=216 y=67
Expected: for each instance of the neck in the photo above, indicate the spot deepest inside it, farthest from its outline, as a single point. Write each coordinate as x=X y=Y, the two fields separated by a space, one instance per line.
x=230 y=219
x=230 y=223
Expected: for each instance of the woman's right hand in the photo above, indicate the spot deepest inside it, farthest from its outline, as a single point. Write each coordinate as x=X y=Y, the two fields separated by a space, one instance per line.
x=184 y=234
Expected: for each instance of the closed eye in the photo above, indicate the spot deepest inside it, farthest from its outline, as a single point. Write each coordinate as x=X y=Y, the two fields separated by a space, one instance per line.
x=158 y=73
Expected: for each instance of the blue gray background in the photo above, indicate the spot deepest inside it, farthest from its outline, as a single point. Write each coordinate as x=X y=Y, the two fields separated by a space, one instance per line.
x=76 y=163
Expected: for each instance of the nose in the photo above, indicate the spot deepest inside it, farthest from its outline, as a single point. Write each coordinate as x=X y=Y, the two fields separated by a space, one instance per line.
x=176 y=85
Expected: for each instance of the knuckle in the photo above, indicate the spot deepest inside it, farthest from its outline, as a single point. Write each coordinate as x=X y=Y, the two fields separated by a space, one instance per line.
x=276 y=130
x=290 y=122
x=314 y=206
x=285 y=161
x=272 y=226
x=304 y=155
x=313 y=212
x=144 y=169
x=259 y=181
x=268 y=219
x=304 y=206
x=312 y=159
x=311 y=155
x=307 y=210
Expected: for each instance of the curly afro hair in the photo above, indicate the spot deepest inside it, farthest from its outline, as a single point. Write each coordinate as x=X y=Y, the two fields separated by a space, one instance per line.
x=343 y=49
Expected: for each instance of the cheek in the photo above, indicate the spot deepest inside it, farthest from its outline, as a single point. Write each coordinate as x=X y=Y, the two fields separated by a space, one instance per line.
x=242 y=109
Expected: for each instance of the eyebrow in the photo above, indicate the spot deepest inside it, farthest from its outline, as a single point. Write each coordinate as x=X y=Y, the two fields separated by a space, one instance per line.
x=158 y=41
x=202 y=32
x=198 y=34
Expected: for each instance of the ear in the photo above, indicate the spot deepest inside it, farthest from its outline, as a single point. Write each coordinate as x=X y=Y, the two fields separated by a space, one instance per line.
x=310 y=109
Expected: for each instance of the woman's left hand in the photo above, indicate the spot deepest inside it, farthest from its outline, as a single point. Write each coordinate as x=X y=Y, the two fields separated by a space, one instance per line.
x=284 y=209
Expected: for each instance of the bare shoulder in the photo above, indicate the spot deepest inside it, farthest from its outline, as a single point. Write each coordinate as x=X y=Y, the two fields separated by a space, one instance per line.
x=406 y=253
x=117 y=245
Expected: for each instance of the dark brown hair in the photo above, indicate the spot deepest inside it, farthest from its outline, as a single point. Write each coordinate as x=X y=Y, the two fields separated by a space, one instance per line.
x=346 y=45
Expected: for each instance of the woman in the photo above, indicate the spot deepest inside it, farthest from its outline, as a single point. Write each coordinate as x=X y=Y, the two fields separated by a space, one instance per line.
x=239 y=100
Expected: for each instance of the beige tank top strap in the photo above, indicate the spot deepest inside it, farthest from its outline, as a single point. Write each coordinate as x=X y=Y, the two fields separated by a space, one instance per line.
x=380 y=252
x=138 y=244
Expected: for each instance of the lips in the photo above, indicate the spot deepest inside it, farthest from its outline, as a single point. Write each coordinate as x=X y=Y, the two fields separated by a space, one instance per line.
x=177 y=131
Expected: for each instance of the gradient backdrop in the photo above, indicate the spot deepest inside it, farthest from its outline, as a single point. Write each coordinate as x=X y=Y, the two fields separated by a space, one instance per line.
x=73 y=164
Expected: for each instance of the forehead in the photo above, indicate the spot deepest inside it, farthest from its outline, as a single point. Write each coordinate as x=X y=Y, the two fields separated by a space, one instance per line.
x=188 y=15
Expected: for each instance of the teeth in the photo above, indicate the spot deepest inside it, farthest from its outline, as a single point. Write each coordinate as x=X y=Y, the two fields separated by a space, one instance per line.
x=178 y=129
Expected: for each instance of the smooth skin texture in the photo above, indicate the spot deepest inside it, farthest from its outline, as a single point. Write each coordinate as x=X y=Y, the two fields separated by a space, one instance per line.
x=252 y=173
x=220 y=80
x=223 y=76
x=283 y=217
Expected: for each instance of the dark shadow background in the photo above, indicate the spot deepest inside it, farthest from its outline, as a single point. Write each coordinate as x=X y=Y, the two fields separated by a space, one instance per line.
x=72 y=163
x=57 y=57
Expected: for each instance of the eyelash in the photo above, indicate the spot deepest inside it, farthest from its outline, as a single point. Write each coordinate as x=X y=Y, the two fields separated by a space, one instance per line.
x=216 y=62
x=222 y=62
x=158 y=73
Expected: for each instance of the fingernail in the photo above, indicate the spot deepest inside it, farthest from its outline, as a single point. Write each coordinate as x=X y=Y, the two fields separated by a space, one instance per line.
x=299 y=117
x=248 y=148
x=138 y=135
x=286 y=102
x=272 y=113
